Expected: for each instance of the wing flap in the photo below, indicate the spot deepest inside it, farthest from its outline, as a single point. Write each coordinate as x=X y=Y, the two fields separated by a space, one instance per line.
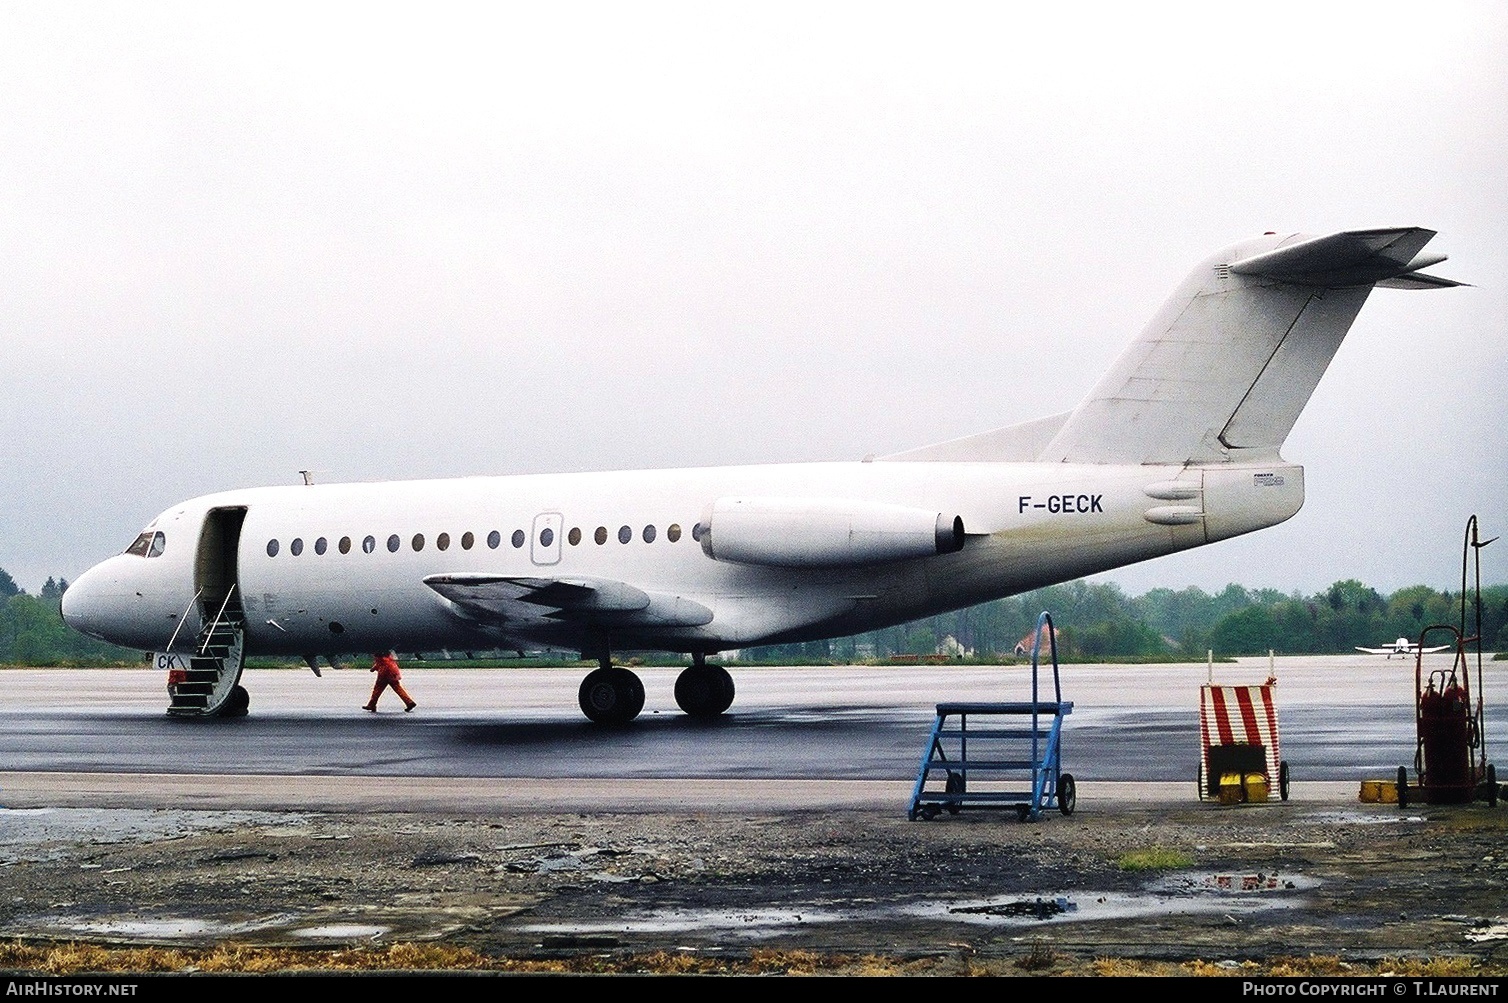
x=583 y=600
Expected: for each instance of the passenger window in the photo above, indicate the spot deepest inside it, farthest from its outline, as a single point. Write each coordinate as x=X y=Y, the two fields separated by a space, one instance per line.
x=574 y=535
x=649 y=534
x=467 y=540
x=546 y=536
x=369 y=544
x=518 y=538
x=140 y=545
x=272 y=548
x=320 y=546
x=494 y=538
x=673 y=532
x=601 y=535
x=418 y=542
x=159 y=542
x=345 y=544
x=625 y=534
x=297 y=546
x=393 y=543
x=442 y=542
x=696 y=532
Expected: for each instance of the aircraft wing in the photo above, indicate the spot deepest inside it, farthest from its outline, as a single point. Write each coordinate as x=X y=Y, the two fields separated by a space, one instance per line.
x=1377 y=651
x=578 y=599
x=1431 y=651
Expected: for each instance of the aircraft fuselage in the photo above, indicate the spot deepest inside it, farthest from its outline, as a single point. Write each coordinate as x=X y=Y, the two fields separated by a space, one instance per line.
x=337 y=569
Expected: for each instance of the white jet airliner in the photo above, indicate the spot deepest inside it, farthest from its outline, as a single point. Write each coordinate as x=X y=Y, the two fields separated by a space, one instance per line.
x=1175 y=448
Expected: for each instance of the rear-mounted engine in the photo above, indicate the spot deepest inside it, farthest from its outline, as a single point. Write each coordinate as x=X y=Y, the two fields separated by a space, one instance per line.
x=824 y=533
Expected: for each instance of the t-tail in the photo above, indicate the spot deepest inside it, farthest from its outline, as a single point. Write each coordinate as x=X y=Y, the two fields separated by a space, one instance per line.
x=1223 y=370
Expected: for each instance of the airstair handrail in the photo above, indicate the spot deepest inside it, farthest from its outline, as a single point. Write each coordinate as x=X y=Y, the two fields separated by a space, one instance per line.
x=181 y=620
x=221 y=613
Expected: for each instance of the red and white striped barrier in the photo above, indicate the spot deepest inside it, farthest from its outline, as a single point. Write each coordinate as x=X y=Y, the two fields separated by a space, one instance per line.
x=1239 y=715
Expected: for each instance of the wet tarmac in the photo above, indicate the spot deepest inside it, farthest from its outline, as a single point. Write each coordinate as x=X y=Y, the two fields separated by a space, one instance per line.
x=1342 y=718
x=496 y=819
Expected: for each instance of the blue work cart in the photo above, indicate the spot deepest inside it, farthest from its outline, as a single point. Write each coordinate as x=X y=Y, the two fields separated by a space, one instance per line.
x=999 y=755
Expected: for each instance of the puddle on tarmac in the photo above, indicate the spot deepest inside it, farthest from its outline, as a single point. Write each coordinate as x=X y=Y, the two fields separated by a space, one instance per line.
x=184 y=928
x=1174 y=895
x=1488 y=930
x=1181 y=894
x=166 y=928
x=1362 y=818
x=336 y=931
x=752 y=923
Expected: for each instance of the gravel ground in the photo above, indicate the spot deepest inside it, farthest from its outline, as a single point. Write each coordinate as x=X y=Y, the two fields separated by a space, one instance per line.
x=1155 y=883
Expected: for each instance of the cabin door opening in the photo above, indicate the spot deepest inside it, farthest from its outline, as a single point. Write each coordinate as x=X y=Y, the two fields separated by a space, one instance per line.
x=215 y=567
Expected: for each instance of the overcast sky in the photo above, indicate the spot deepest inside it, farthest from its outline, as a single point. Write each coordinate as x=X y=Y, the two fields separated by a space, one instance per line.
x=422 y=240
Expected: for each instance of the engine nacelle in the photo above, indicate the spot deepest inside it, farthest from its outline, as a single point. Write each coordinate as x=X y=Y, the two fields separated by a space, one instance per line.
x=824 y=532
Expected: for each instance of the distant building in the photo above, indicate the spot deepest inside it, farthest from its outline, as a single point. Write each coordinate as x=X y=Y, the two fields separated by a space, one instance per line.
x=951 y=647
x=1024 y=646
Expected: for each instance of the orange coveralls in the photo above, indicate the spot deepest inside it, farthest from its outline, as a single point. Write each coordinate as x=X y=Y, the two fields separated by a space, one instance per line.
x=386 y=667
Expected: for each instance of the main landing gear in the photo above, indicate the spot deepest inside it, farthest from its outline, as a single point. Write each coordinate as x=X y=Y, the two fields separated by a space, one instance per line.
x=611 y=694
x=704 y=691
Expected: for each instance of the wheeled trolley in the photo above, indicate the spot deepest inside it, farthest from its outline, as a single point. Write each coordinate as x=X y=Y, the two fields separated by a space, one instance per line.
x=1239 y=757
x=1450 y=752
x=1450 y=756
x=998 y=755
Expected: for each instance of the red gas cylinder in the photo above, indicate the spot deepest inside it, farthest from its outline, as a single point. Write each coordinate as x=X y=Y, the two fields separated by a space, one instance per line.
x=1445 y=732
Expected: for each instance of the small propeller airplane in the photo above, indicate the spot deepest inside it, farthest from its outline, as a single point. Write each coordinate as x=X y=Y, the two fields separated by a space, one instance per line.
x=1402 y=646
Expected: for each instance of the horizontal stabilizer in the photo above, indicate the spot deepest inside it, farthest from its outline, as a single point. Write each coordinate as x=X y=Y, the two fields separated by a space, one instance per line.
x=1350 y=258
x=1419 y=280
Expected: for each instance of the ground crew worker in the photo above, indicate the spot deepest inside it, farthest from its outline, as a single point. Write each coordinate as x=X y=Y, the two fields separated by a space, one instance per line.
x=386 y=667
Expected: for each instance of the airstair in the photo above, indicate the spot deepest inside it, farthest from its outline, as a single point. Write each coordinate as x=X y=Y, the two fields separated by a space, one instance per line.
x=205 y=683
x=999 y=755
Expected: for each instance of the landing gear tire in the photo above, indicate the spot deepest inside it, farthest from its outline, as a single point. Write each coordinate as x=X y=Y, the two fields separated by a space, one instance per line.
x=1403 y=787
x=704 y=691
x=1492 y=786
x=611 y=695
x=237 y=703
x=1283 y=780
x=1068 y=794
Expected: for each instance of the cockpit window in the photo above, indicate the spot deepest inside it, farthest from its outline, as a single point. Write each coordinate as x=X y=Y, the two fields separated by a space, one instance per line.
x=148 y=544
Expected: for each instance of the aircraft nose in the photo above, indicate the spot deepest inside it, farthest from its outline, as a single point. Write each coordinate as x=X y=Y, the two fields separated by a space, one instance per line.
x=83 y=603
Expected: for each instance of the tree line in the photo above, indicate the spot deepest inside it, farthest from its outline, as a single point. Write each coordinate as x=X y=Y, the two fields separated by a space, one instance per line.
x=32 y=631
x=1098 y=620
x=1094 y=620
